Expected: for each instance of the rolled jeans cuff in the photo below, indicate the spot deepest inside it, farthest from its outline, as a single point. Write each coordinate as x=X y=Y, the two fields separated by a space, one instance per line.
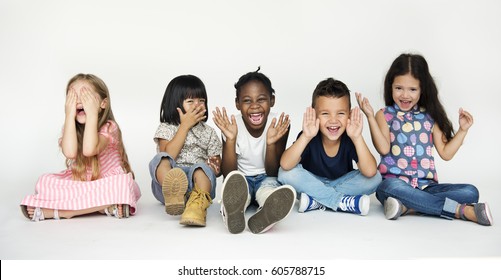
x=449 y=209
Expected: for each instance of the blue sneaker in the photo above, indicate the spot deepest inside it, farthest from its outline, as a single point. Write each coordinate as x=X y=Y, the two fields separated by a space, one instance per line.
x=358 y=204
x=307 y=203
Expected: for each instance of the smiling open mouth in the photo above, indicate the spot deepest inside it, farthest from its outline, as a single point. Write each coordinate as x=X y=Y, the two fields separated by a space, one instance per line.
x=256 y=118
x=333 y=129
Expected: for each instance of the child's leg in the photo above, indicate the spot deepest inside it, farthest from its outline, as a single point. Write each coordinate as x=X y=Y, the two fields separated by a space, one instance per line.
x=159 y=166
x=304 y=181
x=275 y=204
x=204 y=182
x=201 y=180
x=354 y=183
x=68 y=214
x=163 y=167
x=461 y=202
x=416 y=199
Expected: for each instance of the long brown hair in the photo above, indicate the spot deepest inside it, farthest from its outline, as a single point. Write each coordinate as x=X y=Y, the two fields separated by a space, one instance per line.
x=417 y=66
x=80 y=164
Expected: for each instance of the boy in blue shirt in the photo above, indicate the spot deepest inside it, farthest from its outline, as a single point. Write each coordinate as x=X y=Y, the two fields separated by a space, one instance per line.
x=319 y=165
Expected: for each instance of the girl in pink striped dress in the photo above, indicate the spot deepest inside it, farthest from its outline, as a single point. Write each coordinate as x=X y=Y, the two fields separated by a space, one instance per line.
x=98 y=177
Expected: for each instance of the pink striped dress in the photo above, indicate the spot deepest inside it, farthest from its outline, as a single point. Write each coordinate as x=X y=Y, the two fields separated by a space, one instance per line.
x=115 y=186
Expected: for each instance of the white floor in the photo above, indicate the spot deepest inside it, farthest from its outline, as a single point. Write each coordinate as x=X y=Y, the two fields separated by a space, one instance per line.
x=152 y=234
x=156 y=245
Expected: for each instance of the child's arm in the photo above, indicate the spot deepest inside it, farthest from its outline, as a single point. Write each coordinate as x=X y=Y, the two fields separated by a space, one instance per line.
x=366 y=161
x=380 y=133
x=187 y=121
x=276 y=140
x=93 y=143
x=230 y=131
x=69 y=142
x=447 y=149
x=292 y=156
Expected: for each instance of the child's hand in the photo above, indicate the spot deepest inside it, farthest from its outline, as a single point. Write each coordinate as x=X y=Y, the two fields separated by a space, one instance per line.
x=227 y=127
x=89 y=101
x=214 y=163
x=311 y=123
x=277 y=129
x=355 y=124
x=70 y=107
x=465 y=120
x=364 y=105
x=193 y=116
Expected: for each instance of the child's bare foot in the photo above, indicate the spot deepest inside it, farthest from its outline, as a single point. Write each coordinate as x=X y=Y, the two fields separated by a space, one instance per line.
x=116 y=210
x=40 y=214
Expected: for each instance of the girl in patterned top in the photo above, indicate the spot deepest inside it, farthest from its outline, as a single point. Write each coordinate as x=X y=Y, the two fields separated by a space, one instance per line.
x=405 y=133
x=98 y=177
x=188 y=157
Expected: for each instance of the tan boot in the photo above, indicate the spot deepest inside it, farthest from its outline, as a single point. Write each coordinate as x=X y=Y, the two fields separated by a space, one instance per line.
x=196 y=208
x=174 y=188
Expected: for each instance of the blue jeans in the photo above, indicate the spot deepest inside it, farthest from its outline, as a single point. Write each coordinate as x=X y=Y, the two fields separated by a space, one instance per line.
x=156 y=187
x=327 y=191
x=258 y=181
x=436 y=199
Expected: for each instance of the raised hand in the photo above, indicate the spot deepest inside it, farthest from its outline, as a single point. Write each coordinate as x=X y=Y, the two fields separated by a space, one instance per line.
x=70 y=107
x=277 y=129
x=465 y=120
x=193 y=115
x=227 y=127
x=90 y=102
x=355 y=124
x=311 y=123
x=364 y=105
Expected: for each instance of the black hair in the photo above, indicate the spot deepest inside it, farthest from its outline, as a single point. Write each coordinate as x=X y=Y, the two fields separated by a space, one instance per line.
x=254 y=76
x=179 y=89
x=332 y=88
x=417 y=66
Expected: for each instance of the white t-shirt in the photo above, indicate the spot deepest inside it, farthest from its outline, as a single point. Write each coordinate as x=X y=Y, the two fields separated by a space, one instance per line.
x=250 y=150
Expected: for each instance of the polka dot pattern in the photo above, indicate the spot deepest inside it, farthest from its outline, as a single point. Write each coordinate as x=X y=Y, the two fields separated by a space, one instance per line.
x=411 y=153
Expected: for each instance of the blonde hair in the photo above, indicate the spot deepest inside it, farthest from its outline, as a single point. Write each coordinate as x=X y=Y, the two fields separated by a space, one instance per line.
x=80 y=164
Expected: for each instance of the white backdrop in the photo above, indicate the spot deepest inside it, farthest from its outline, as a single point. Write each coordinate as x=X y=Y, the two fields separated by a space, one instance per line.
x=137 y=47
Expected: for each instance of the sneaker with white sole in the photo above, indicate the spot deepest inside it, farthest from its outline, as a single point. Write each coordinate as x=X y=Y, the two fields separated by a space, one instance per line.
x=393 y=208
x=358 y=204
x=235 y=193
x=307 y=203
x=276 y=207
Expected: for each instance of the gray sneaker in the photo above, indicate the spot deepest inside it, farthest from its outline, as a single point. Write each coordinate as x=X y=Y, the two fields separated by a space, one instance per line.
x=235 y=193
x=276 y=207
x=483 y=214
x=393 y=208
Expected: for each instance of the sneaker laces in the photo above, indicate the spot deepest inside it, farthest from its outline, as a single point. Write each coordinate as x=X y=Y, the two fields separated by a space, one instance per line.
x=314 y=205
x=348 y=203
x=197 y=197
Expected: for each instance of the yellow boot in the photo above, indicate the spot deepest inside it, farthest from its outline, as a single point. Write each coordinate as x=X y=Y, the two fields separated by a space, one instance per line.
x=196 y=208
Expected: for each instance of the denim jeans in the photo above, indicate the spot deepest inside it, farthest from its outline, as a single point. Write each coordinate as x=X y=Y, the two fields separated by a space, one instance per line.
x=327 y=191
x=258 y=181
x=156 y=187
x=436 y=199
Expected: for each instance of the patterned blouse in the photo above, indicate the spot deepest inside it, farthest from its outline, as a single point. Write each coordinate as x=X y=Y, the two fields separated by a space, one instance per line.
x=201 y=143
x=411 y=153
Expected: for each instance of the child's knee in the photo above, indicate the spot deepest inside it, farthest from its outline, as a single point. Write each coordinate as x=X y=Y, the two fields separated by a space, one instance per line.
x=374 y=182
x=288 y=176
